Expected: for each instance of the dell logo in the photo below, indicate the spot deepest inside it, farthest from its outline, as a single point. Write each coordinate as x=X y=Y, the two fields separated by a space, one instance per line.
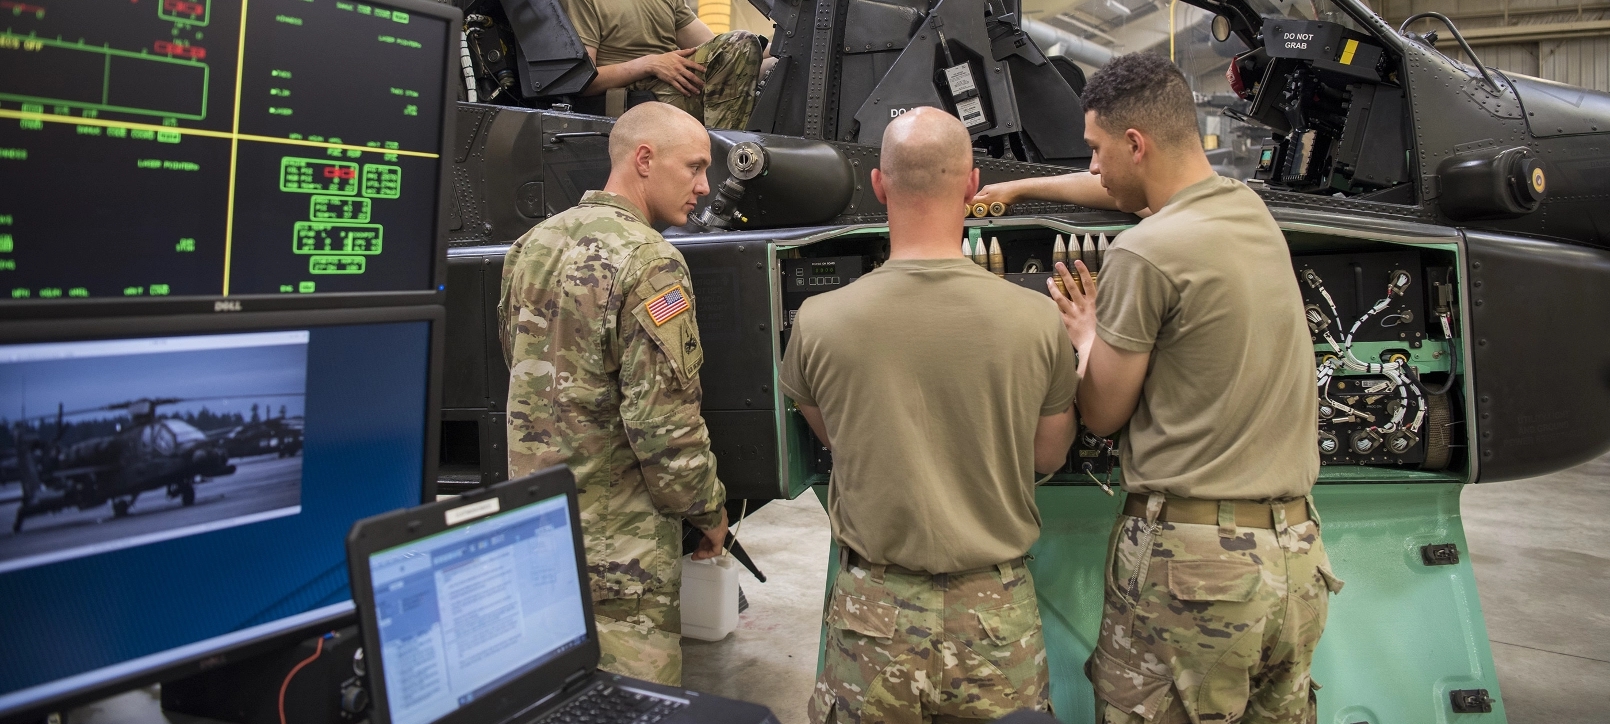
x=225 y=305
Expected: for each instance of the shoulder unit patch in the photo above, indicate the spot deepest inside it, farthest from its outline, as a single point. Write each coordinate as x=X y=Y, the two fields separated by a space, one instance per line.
x=664 y=307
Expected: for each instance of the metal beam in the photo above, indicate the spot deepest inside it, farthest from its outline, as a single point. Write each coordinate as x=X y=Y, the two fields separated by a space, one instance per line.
x=1046 y=35
x=1506 y=34
x=1081 y=25
x=1395 y=20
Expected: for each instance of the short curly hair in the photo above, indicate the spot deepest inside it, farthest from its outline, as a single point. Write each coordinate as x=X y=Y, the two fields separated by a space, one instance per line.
x=1147 y=93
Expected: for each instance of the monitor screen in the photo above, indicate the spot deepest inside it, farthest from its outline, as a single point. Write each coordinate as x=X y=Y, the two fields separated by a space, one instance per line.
x=160 y=490
x=164 y=148
x=466 y=610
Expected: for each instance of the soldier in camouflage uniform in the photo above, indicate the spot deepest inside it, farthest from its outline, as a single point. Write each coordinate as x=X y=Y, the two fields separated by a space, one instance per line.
x=941 y=391
x=597 y=325
x=662 y=47
x=1195 y=345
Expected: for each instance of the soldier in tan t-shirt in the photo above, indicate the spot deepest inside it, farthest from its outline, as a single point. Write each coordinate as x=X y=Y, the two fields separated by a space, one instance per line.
x=1195 y=344
x=941 y=390
x=662 y=47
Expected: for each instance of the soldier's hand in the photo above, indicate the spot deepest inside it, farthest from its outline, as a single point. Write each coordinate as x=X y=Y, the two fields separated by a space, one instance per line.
x=714 y=542
x=1003 y=192
x=1078 y=306
x=678 y=69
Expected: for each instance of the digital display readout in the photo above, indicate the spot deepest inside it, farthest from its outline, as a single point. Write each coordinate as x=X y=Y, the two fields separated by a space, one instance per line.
x=209 y=147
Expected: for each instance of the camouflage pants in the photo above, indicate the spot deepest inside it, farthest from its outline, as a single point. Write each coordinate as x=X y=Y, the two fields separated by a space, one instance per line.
x=909 y=649
x=642 y=637
x=1205 y=623
x=731 y=69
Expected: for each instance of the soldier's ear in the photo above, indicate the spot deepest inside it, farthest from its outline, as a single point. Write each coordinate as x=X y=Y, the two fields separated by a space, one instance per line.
x=877 y=187
x=642 y=158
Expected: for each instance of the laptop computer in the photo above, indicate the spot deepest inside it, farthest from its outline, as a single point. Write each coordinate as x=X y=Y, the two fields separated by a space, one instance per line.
x=478 y=609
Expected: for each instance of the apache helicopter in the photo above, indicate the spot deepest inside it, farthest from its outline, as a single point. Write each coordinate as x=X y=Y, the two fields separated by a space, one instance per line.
x=279 y=435
x=1447 y=222
x=149 y=453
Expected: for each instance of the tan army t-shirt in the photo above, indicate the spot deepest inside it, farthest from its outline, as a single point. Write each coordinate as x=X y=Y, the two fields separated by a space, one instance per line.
x=1229 y=407
x=622 y=30
x=932 y=376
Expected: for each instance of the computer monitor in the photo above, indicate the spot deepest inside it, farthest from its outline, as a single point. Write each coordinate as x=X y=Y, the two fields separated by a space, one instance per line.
x=176 y=149
x=173 y=486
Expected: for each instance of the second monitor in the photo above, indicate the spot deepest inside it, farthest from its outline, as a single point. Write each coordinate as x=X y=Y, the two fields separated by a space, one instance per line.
x=169 y=482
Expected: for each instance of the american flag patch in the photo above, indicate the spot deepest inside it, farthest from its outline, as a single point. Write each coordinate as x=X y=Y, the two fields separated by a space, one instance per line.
x=667 y=304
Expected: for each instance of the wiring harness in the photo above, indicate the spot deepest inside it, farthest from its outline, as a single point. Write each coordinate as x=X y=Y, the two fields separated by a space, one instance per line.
x=1398 y=435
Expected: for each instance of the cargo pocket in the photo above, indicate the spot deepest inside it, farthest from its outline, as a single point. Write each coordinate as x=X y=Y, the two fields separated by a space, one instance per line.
x=868 y=618
x=1232 y=581
x=1008 y=625
x=1129 y=689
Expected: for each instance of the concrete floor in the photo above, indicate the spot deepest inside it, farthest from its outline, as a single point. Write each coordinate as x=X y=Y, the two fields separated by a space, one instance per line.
x=1540 y=548
x=1541 y=552
x=771 y=658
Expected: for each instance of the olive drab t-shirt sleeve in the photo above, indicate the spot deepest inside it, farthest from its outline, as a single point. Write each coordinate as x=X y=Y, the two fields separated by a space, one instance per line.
x=1064 y=379
x=660 y=357
x=791 y=377
x=683 y=13
x=1133 y=302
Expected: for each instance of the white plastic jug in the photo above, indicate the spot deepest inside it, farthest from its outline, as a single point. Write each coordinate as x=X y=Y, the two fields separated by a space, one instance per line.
x=709 y=597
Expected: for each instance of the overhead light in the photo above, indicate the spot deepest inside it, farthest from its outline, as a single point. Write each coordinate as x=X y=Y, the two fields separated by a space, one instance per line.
x=1118 y=7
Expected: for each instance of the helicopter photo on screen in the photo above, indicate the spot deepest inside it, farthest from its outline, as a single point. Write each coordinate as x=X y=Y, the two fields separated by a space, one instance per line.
x=115 y=443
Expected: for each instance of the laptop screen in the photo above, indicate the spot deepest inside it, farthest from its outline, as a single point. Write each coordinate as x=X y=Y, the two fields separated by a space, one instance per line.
x=466 y=610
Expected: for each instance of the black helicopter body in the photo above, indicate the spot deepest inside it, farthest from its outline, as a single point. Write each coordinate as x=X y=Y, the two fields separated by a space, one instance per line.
x=281 y=437
x=1401 y=142
x=149 y=454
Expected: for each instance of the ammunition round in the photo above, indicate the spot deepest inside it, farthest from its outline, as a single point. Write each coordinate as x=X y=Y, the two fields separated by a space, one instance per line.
x=997 y=208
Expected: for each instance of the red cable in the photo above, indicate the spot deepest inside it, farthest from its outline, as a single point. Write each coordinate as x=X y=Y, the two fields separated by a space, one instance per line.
x=318 y=649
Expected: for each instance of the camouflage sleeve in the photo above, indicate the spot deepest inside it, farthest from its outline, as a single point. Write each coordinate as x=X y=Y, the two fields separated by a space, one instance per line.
x=506 y=307
x=660 y=356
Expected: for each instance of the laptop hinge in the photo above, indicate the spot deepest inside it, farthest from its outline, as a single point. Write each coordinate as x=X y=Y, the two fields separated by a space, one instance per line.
x=576 y=680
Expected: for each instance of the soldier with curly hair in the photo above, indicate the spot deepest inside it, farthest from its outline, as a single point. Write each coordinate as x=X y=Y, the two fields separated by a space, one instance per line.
x=1217 y=583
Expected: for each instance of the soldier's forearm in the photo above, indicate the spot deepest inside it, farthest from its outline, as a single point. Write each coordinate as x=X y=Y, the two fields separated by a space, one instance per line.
x=679 y=470
x=618 y=75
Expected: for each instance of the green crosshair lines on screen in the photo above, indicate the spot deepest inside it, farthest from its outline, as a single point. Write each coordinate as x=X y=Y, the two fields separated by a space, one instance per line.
x=337 y=237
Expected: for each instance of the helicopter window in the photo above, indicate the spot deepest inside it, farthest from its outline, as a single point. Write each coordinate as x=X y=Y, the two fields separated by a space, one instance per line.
x=162 y=439
x=183 y=431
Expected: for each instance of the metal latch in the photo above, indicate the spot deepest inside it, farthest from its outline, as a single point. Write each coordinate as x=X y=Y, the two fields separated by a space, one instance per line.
x=1470 y=701
x=1439 y=554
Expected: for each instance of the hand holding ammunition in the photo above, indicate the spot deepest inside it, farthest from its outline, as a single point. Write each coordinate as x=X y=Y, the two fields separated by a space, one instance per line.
x=1078 y=304
x=1003 y=192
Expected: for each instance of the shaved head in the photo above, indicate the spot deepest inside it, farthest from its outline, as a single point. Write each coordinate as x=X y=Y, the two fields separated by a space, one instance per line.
x=926 y=152
x=660 y=126
x=657 y=158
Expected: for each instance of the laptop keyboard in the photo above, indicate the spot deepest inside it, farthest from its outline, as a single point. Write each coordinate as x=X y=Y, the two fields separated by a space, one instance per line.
x=609 y=704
